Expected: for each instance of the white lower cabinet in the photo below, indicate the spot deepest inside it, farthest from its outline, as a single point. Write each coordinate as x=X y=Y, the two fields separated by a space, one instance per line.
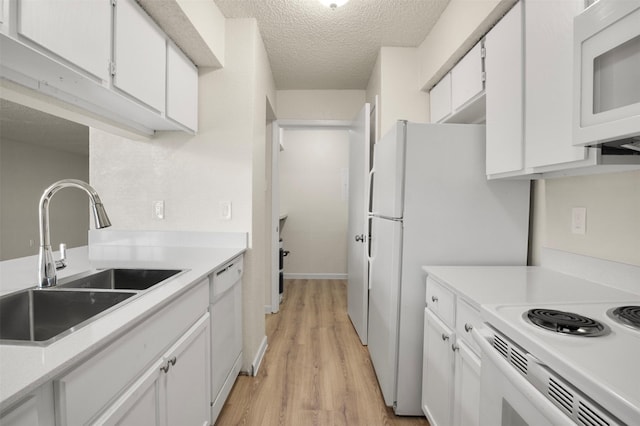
x=158 y=373
x=187 y=381
x=139 y=404
x=173 y=391
x=437 y=370
x=451 y=365
x=36 y=409
x=466 y=400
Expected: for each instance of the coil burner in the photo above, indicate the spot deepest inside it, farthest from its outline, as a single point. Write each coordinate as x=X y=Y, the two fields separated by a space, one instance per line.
x=566 y=322
x=626 y=315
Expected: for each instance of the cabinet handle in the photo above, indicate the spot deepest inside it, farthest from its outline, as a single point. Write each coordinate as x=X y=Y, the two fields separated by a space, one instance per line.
x=434 y=298
x=468 y=327
x=454 y=347
x=445 y=337
x=165 y=368
x=172 y=361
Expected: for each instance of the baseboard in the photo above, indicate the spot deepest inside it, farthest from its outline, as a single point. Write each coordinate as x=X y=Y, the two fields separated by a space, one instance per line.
x=312 y=276
x=255 y=365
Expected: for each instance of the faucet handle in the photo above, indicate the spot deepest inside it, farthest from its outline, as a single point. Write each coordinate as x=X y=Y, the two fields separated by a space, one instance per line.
x=62 y=263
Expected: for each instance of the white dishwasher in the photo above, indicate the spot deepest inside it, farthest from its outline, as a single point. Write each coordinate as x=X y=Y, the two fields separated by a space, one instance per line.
x=226 y=331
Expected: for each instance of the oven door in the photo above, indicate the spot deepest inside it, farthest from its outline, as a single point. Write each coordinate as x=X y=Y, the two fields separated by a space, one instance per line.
x=507 y=398
x=606 y=64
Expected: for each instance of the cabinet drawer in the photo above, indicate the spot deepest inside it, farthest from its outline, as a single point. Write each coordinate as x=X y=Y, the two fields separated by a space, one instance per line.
x=224 y=278
x=441 y=301
x=467 y=317
x=107 y=374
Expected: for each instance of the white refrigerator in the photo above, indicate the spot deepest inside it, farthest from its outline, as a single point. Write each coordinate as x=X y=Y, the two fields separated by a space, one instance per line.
x=432 y=205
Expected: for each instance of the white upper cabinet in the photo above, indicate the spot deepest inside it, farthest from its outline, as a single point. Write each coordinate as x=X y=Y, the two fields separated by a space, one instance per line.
x=504 y=94
x=182 y=88
x=467 y=80
x=549 y=82
x=140 y=55
x=440 y=99
x=529 y=96
x=459 y=96
x=106 y=57
x=78 y=31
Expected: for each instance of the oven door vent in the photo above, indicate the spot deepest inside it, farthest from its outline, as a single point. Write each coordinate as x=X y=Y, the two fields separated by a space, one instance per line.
x=501 y=346
x=511 y=353
x=589 y=416
x=561 y=395
x=574 y=403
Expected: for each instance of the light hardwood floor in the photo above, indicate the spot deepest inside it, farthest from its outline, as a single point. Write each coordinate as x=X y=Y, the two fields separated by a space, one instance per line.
x=315 y=370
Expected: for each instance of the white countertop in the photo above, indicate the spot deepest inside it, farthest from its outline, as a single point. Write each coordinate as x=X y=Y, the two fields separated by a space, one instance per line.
x=480 y=285
x=24 y=368
x=504 y=294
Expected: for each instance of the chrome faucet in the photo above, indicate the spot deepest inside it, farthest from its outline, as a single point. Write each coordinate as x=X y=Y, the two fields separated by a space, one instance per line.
x=47 y=269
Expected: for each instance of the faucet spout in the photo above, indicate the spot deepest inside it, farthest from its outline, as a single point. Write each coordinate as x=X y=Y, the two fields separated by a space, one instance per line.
x=47 y=269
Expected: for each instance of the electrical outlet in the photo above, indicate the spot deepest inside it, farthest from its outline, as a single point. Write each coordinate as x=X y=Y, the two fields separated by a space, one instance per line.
x=579 y=220
x=158 y=209
x=225 y=210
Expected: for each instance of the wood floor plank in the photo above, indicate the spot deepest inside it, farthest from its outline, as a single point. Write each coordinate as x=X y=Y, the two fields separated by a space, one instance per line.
x=315 y=370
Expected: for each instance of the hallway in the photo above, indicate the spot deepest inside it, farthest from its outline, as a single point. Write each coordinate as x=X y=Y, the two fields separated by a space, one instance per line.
x=315 y=371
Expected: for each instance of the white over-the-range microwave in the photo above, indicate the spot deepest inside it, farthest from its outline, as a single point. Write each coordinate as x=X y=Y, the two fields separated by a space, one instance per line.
x=607 y=75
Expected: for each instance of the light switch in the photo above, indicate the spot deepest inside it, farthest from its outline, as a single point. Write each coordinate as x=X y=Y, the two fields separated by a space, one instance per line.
x=579 y=220
x=225 y=210
x=158 y=209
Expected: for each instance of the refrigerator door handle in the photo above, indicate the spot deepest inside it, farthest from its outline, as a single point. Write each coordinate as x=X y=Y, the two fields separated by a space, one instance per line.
x=371 y=173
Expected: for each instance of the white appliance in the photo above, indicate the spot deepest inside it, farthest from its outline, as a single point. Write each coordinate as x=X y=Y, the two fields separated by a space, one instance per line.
x=432 y=205
x=225 y=306
x=536 y=376
x=606 y=70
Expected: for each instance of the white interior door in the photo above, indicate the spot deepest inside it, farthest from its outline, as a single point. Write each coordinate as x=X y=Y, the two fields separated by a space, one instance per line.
x=359 y=160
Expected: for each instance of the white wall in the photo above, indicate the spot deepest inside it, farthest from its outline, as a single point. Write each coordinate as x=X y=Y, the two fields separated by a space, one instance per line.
x=313 y=194
x=26 y=170
x=613 y=213
x=193 y=174
x=319 y=104
x=310 y=181
x=401 y=97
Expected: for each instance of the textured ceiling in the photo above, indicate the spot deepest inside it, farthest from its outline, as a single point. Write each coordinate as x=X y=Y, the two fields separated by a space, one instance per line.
x=23 y=124
x=313 y=47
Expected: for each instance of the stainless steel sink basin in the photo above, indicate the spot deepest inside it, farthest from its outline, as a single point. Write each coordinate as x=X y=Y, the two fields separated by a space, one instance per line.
x=43 y=316
x=122 y=279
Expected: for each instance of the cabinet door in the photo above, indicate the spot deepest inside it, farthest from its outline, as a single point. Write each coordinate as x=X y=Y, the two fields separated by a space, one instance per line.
x=78 y=31
x=140 y=54
x=440 y=99
x=187 y=382
x=466 y=78
x=504 y=92
x=138 y=406
x=549 y=83
x=466 y=401
x=182 y=88
x=437 y=371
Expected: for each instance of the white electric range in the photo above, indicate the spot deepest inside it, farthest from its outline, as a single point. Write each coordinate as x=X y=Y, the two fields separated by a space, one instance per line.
x=538 y=376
